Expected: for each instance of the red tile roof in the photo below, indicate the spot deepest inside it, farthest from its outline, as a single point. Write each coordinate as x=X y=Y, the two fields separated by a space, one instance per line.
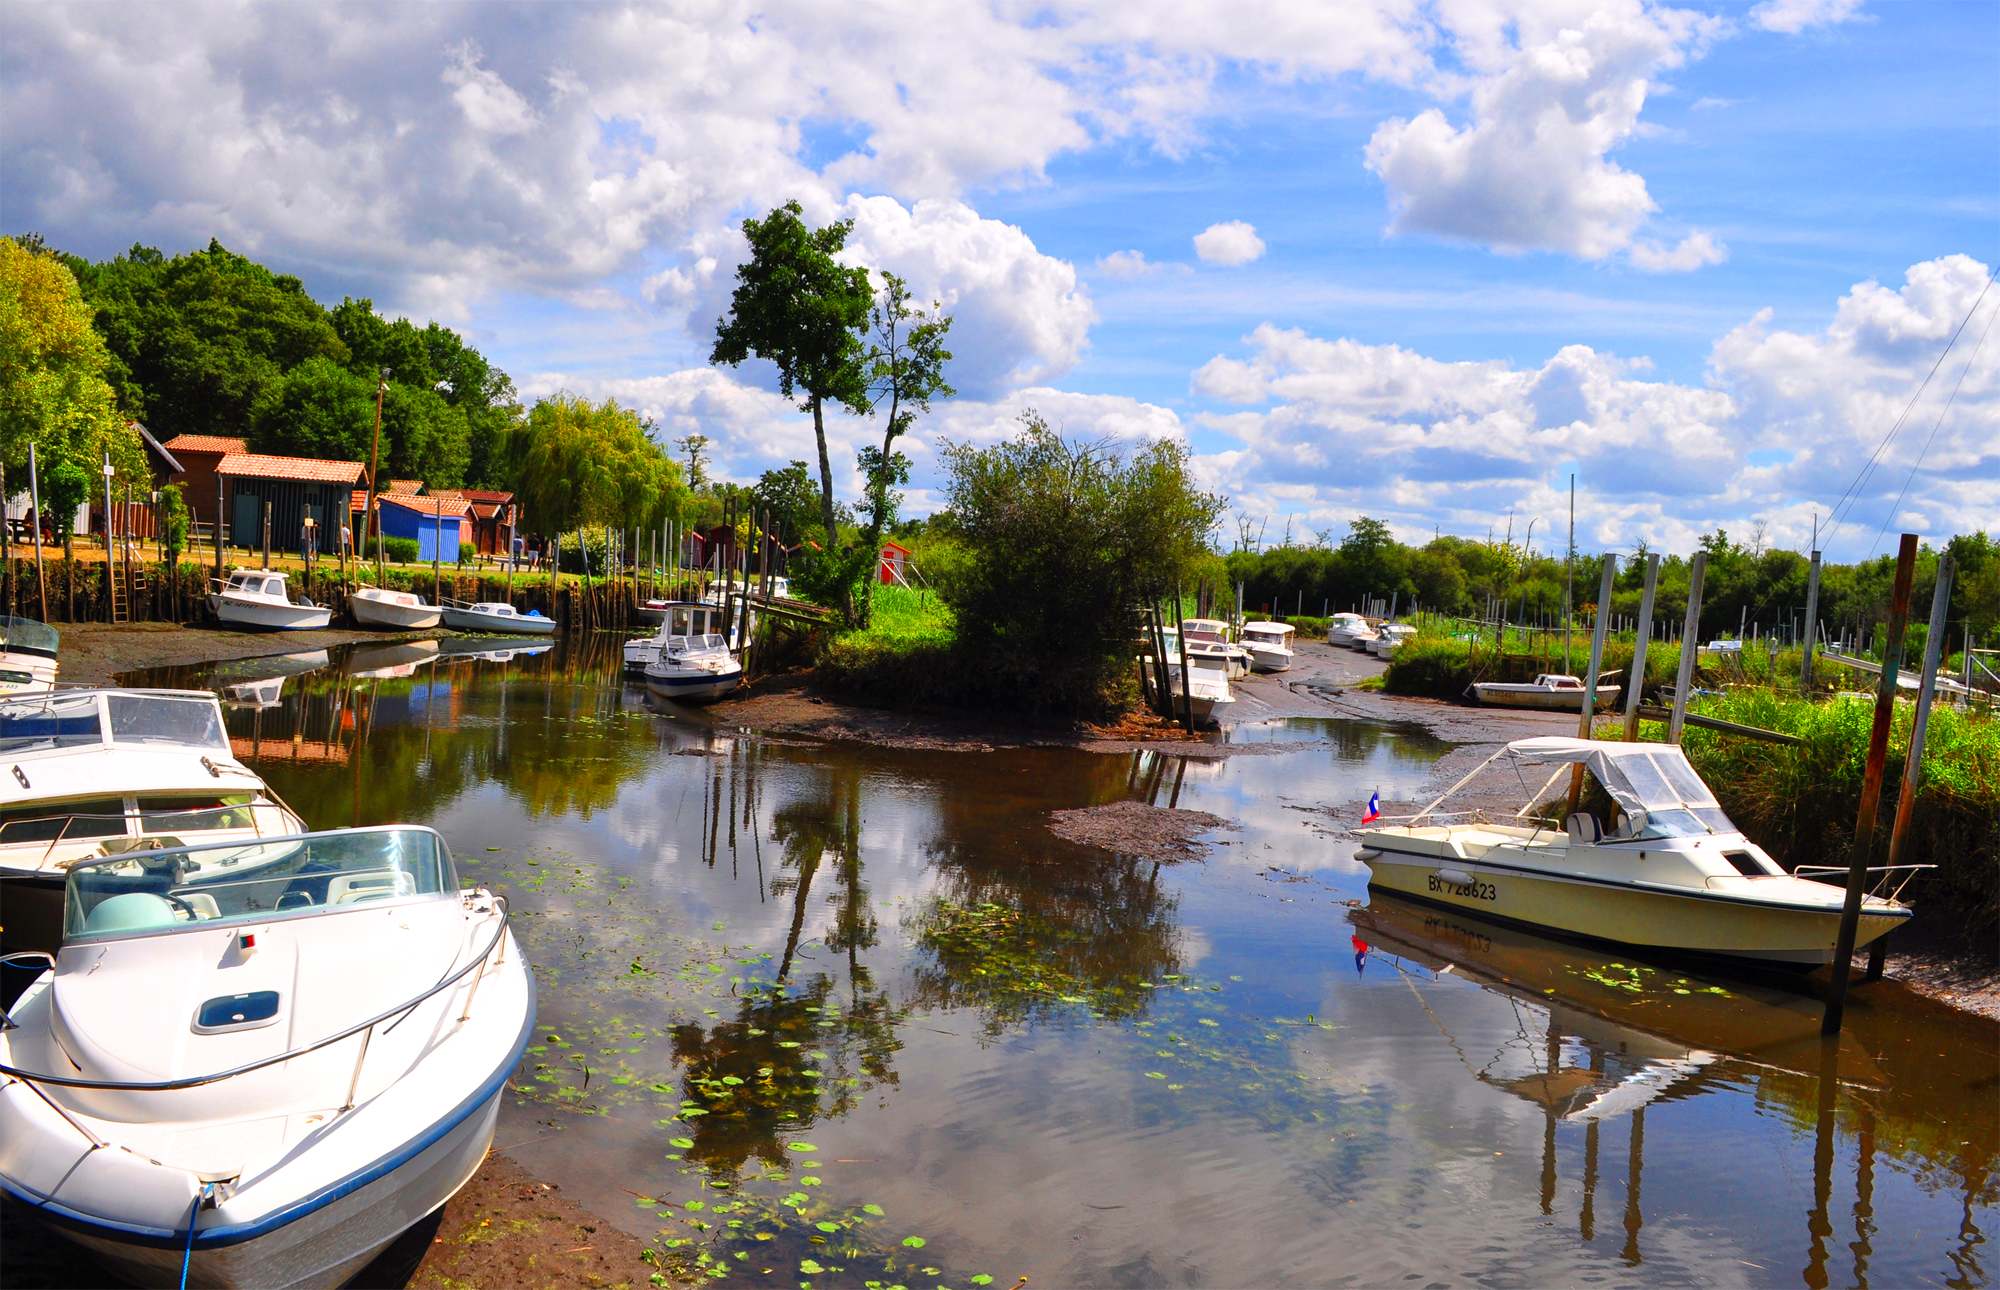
x=487 y=495
x=205 y=443
x=405 y=486
x=454 y=506
x=312 y=470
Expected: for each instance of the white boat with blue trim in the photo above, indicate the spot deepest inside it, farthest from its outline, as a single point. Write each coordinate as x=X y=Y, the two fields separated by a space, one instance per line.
x=27 y=655
x=496 y=616
x=258 y=1063
x=1646 y=858
x=693 y=669
x=257 y=599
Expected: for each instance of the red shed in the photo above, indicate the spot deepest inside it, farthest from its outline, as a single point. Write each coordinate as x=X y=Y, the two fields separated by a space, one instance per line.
x=894 y=558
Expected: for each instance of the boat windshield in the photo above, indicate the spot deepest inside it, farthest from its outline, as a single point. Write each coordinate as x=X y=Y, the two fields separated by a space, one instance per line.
x=54 y=722
x=242 y=882
x=26 y=633
x=1653 y=784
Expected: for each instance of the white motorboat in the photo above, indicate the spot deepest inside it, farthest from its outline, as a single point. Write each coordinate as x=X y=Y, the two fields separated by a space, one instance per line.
x=693 y=669
x=1269 y=645
x=1209 y=688
x=27 y=655
x=256 y=598
x=1341 y=627
x=1361 y=635
x=261 y=1060
x=677 y=618
x=1649 y=860
x=1551 y=692
x=1388 y=638
x=497 y=616
x=1215 y=632
x=400 y=611
x=97 y=772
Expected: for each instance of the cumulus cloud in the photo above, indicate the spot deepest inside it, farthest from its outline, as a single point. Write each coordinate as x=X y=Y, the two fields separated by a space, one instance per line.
x=1793 y=16
x=1693 y=251
x=1531 y=170
x=1232 y=243
x=1134 y=264
x=1383 y=430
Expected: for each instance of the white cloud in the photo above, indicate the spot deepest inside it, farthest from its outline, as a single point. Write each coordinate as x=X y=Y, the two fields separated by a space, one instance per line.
x=489 y=103
x=1793 y=16
x=1531 y=169
x=1232 y=243
x=1694 y=251
x=1382 y=430
x=1134 y=264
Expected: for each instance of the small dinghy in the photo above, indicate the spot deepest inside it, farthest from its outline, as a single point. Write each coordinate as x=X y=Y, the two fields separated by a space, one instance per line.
x=693 y=669
x=256 y=598
x=496 y=616
x=27 y=655
x=1551 y=691
x=257 y=1064
x=396 y=610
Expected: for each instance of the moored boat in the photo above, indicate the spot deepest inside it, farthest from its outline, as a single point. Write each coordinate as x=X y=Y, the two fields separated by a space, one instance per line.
x=1215 y=632
x=396 y=610
x=497 y=616
x=1269 y=645
x=97 y=772
x=1341 y=628
x=257 y=599
x=27 y=655
x=261 y=1061
x=683 y=618
x=693 y=669
x=1389 y=639
x=1648 y=859
x=1551 y=691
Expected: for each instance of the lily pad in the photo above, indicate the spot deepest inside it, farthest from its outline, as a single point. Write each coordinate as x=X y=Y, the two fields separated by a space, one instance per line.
x=914 y=1242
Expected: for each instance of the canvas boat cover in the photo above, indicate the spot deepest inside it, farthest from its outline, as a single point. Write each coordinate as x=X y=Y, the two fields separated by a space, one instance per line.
x=1653 y=778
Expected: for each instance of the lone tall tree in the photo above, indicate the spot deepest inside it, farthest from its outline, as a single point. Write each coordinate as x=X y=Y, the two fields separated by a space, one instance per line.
x=905 y=369
x=795 y=306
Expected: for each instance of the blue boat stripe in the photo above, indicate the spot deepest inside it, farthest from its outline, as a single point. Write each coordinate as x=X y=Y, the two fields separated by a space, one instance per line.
x=217 y=1237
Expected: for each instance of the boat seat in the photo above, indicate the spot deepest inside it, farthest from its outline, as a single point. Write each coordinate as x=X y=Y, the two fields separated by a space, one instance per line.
x=130 y=912
x=200 y=902
x=1582 y=826
x=350 y=888
x=295 y=900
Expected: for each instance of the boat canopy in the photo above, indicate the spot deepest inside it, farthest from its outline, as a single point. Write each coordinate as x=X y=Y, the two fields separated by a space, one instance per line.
x=1653 y=782
x=28 y=635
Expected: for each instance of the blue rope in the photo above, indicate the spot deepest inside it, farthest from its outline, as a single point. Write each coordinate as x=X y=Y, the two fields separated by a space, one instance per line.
x=187 y=1256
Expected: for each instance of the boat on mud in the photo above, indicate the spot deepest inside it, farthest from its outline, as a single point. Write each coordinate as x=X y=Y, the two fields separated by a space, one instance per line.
x=401 y=611
x=256 y=599
x=27 y=655
x=693 y=669
x=103 y=772
x=1269 y=645
x=1550 y=692
x=257 y=1063
x=1205 y=632
x=1645 y=857
x=496 y=616
x=1389 y=639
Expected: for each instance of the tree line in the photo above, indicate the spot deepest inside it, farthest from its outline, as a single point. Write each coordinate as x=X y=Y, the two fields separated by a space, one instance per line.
x=1743 y=585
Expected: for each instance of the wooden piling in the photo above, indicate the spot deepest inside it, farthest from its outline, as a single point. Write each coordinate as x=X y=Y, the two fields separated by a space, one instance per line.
x=1597 y=631
x=1641 y=636
x=1871 y=786
x=1187 y=676
x=1812 y=625
x=1913 y=763
x=1690 y=635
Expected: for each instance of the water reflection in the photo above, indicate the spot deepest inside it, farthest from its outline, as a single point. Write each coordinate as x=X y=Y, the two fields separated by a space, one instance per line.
x=1051 y=1061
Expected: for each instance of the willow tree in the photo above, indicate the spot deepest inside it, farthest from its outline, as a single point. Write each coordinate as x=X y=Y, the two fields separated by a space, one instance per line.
x=577 y=463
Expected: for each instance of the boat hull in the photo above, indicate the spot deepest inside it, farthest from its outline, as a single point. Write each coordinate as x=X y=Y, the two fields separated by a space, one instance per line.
x=1646 y=917
x=693 y=689
x=378 y=613
x=253 y=615
x=464 y=620
x=1264 y=660
x=1540 y=698
x=26 y=671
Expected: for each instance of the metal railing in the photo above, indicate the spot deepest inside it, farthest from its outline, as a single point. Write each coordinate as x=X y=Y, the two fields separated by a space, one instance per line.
x=1881 y=887
x=152 y=824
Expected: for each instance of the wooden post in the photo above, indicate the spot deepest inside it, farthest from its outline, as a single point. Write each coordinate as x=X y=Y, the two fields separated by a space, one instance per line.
x=1597 y=630
x=1812 y=625
x=510 y=553
x=218 y=525
x=1871 y=785
x=1640 y=637
x=1913 y=764
x=1187 y=675
x=267 y=535
x=437 y=551
x=1690 y=648
x=41 y=573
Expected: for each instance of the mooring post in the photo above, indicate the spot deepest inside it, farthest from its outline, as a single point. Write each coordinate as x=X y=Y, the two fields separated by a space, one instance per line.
x=1597 y=631
x=1640 y=636
x=1187 y=675
x=1690 y=649
x=1871 y=785
x=42 y=577
x=1913 y=764
x=267 y=535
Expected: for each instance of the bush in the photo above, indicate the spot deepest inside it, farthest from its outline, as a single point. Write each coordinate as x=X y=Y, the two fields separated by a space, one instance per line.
x=401 y=550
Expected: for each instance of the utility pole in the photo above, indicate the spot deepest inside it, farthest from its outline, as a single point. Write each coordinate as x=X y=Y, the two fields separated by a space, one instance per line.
x=374 y=490
x=1812 y=621
x=1569 y=571
x=1871 y=785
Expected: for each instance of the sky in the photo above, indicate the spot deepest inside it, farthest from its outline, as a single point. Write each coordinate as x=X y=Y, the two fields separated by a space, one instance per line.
x=1725 y=265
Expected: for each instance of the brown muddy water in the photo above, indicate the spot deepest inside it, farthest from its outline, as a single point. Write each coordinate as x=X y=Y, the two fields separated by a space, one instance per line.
x=831 y=1014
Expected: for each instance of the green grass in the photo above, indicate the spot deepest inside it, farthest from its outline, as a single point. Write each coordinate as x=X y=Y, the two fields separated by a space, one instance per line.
x=904 y=619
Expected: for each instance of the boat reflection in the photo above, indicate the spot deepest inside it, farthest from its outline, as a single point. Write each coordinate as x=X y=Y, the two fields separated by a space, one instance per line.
x=383 y=661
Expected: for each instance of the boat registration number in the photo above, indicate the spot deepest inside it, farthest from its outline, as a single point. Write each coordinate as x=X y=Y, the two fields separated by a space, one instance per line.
x=1474 y=890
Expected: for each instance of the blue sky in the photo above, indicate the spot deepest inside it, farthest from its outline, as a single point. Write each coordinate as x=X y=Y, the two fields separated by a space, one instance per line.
x=1488 y=243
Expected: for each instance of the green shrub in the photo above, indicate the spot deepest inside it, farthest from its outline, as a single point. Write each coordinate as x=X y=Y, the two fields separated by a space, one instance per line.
x=401 y=550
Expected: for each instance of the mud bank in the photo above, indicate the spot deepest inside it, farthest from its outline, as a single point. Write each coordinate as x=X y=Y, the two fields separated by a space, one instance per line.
x=99 y=653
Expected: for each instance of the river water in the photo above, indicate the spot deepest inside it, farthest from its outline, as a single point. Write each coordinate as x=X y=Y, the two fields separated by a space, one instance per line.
x=831 y=1014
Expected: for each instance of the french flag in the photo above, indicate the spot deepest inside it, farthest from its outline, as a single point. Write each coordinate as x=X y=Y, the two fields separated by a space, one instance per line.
x=1374 y=808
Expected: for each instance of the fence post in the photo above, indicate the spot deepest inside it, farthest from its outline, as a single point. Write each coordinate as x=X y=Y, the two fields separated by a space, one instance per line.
x=1642 y=634
x=1913 y=764
x=1871 y=785
x=1597 y=630
x=1690 y=647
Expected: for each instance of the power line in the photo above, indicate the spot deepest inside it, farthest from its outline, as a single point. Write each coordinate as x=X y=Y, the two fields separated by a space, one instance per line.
x=1897 y=508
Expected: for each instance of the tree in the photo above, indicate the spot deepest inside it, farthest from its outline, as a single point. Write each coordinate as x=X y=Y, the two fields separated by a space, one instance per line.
x=905 y=368
x=1062 y=542
x=791 y=499
x=174 y=507
x=582 y=463
x=802 y=311
x=319 y=409
x=696 y=448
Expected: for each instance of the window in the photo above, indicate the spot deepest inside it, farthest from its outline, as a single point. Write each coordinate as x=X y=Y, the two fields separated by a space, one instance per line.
x=153 y=719
x=46 y=822
x=42 y=724
x=194 y=814
x=677 y=622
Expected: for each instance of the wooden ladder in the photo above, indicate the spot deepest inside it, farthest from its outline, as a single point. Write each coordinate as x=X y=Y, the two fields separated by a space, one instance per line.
x=121 y=608
x=135 y=575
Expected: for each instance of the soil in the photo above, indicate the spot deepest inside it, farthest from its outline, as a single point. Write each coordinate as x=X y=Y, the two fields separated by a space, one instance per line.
x=1135 y=829
x=98 y=653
